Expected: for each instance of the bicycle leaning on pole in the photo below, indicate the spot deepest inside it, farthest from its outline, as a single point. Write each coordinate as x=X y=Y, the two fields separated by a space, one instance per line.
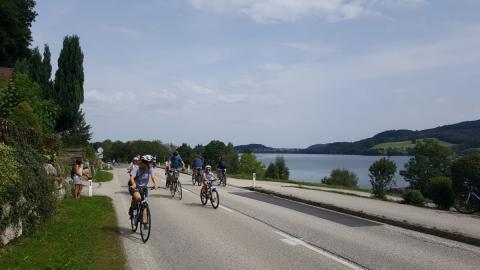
x=467 y=201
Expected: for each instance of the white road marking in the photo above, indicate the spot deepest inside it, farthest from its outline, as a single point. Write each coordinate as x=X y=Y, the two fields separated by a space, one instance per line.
x=293 y=241
x=226 y=208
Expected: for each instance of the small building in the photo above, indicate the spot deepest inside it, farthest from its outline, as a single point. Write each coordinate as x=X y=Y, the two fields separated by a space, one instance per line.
x=6 y=75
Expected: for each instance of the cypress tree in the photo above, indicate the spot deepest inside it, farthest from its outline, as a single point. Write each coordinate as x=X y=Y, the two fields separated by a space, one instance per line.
x=35 y=67
x=68 y=88
x=45 y=81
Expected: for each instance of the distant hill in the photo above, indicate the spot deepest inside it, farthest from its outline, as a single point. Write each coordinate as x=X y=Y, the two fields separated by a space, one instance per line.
x=462 y=136
x=260 y=148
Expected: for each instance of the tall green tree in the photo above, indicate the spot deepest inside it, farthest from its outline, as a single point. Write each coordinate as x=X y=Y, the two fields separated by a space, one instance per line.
x=16 y=17
x=283 y=171
x=249 y=164
x=46 y=77
x=79 y=134
x=382 y=176
x=430 y=159
x=185 y=152
x=68 y=89
x=213 y=151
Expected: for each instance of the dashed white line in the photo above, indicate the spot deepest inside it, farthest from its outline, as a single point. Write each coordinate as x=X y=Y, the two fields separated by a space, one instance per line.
x=293 y=241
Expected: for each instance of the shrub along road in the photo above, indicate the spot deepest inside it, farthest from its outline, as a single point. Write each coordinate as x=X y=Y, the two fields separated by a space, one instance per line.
x=256 y=231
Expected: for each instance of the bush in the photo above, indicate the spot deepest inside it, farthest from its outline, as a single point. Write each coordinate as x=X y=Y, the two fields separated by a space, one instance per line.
x=431 y=159
x=466 y=169
x=25 y=185
x=413 y=196
x=382 y=173
x=440 y=190
x=341 y=177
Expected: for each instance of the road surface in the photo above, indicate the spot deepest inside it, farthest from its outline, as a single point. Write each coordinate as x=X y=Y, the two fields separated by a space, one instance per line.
x=255 y=231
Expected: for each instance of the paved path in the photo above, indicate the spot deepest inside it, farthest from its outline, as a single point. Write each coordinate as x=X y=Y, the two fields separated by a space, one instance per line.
x=431 y=218
x=257 y=231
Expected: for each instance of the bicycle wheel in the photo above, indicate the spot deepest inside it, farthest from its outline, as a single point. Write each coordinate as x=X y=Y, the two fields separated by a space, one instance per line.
x=134 y=220
x=179 y=191
x=203 y=196
x=174 y=189
x=224 y=181
x=214 y=199
x=466 y=203
x=145 y=225
x=199 y=180
x=193 y=179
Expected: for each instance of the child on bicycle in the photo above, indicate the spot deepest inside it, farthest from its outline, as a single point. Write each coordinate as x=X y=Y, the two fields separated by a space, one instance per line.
x=139 y=178
x=208 y=176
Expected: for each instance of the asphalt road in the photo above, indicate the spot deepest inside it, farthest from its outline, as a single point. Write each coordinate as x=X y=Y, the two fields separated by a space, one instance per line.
x=255 y=231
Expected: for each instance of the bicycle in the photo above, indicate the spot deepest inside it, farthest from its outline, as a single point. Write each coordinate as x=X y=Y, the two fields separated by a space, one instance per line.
x=176 y=185
x=467 y=202
x=212 y=194
x=223 y=177
x=140 y=212
x=197 y=177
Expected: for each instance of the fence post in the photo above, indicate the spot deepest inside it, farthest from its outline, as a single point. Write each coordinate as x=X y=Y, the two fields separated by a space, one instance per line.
x=254 y=179
x=90 y=191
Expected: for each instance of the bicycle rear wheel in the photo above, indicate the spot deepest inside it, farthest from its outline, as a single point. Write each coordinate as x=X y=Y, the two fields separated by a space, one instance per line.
x=179 y=190
x=145 y=225
x=466 y=203
x=214 y=199
x=134 y=220
x=193 y=179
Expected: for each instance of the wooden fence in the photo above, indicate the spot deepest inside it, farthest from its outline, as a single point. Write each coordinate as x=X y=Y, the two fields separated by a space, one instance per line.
x=10 y=132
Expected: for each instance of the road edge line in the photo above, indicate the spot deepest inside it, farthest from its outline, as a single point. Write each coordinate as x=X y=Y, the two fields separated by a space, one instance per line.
x=455 y=236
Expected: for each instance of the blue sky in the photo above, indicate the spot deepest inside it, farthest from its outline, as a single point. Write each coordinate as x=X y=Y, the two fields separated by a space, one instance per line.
x=285 y=73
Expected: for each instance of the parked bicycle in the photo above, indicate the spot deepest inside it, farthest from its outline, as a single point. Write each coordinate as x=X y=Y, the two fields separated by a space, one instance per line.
x=210 y=194
x=141 y=215
x=176 y=188
x=467 y=202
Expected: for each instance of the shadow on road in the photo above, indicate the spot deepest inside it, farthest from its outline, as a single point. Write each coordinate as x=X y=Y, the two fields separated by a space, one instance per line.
x=309 y=210
x=124 y=232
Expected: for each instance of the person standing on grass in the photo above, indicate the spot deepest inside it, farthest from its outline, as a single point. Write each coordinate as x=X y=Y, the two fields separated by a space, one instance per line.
x=76 y=175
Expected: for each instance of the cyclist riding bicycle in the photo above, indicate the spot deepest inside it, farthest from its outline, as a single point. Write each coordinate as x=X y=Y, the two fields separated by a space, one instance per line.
x=208 y=176
x=175 y=163
x=221 y=168
x=139 y=178
x=197 y=165
x=134 y=162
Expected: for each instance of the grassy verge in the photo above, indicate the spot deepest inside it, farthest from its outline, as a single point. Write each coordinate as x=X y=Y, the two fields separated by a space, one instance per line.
x=82 y=235
x=301 y=183
x=103 y=176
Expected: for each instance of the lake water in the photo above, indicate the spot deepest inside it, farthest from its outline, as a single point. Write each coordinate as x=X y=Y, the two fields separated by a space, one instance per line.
x=312 y=168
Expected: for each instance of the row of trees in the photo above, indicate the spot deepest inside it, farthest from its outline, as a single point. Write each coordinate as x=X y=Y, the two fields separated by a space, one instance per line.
x=32 y=99
x=433 y=172
x=246 y=164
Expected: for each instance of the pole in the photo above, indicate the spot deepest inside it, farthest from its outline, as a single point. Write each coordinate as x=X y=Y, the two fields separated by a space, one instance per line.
x=90 y=191
x=254 y=178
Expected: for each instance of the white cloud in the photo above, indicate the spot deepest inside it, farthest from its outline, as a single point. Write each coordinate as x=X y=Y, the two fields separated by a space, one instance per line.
x=310 y=48
x=270 y=11
x=120 y=30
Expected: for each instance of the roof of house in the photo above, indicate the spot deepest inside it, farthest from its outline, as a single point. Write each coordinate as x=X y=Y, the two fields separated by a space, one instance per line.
x=6 y=74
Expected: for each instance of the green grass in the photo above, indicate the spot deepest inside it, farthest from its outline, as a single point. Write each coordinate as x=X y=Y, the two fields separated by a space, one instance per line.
x=103 y=176
x=404 y=144
x=300 y=183
x=83 y=234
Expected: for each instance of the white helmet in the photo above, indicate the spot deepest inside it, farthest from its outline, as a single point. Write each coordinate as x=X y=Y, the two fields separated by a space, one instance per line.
x=208 y=167
x=147 y=158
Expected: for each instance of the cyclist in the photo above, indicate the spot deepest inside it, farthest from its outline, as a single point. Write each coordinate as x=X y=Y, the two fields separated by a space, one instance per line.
x=221 y=168
x=208 y=176
x=134 y=162
x=139 y=178
x=197 y=165
x=175 y=162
